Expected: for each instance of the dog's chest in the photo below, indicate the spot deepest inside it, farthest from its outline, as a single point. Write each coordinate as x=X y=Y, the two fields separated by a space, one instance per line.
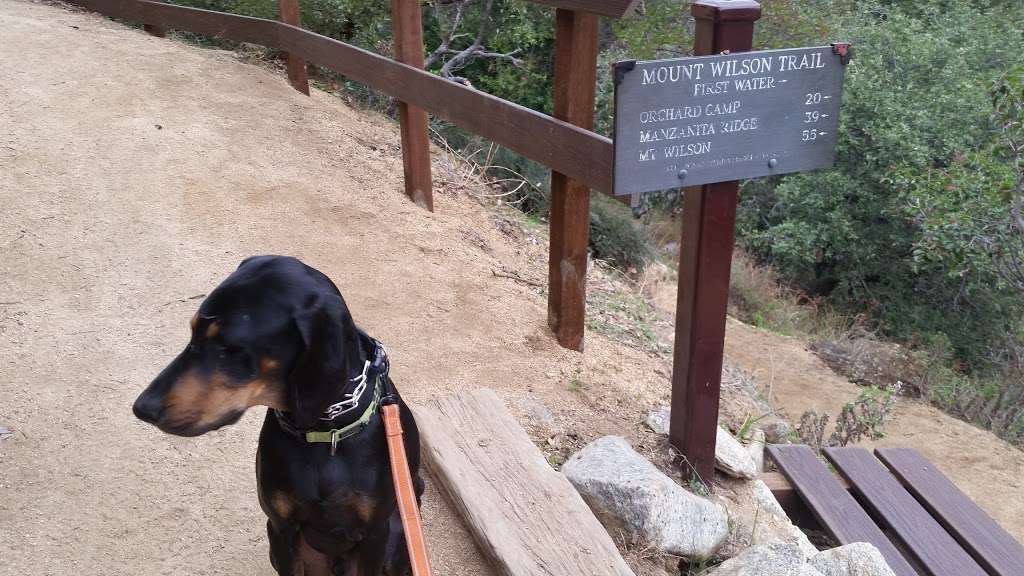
x=342 y=489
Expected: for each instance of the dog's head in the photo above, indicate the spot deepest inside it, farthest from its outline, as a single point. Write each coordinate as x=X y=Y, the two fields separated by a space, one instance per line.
x=276 y=333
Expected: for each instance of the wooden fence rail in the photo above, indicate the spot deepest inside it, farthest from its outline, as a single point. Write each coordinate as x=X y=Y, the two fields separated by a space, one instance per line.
x=567 y=149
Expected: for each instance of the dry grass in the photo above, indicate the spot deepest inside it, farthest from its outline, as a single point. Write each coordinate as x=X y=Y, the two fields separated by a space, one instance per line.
x=757 y=297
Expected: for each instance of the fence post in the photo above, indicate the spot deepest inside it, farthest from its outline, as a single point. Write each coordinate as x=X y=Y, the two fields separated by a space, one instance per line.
x=709 y=221
x=407 y=28
x=575 y=76
x=297 y=74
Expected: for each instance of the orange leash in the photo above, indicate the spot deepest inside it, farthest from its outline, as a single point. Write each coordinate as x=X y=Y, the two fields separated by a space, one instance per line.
x=404 y=493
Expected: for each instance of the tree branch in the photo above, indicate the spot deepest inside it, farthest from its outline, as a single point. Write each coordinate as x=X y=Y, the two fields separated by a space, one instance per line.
x=459 y=59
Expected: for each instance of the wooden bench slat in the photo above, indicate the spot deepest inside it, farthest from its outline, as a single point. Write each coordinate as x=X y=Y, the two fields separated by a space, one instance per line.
x=991 y=546
x=833 y=506
x=933 y=548
x=526 y=516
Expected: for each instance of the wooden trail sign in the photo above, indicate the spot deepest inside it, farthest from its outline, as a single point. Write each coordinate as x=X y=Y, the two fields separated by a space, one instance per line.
x=691 y=121
x=722 y=116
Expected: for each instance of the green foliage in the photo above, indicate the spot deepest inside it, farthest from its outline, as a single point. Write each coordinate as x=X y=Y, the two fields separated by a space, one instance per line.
x=792 y=23
x=864 y=418
x=615 y=236
x=916 y=99
x=663 y=29
x=521 y=28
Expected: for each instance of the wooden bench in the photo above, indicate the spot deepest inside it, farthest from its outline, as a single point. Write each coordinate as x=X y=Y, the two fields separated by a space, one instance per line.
x=920 y=521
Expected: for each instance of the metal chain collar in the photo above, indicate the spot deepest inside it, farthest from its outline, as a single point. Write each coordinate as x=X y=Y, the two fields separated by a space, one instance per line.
x=351 y=400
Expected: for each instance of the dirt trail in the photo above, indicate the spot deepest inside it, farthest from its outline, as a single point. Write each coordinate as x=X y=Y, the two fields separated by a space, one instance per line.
x=135 y=174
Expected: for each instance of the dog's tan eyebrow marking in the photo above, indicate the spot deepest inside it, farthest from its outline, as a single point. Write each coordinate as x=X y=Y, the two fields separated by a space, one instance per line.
x=212 y=329
x=194 y=321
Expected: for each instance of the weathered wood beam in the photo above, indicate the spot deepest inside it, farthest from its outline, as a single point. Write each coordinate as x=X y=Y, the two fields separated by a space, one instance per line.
x=525 y=516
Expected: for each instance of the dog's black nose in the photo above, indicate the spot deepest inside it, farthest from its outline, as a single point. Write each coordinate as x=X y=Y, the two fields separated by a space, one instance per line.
x=148 y=409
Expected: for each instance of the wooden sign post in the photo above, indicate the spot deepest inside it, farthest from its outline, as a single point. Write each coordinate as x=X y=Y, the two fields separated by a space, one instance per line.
x=705 y=258
x=705 y=122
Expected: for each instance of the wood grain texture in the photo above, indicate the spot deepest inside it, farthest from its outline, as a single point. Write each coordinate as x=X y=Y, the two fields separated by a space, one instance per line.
x=709 y=222
x=575 y=77
x=568 y=149
x=835 y=509
x=407 y=29
x=897 y=511
x=524 y=515
x=790 y=500
x=991 y=546
x=297 y=73
x=612 y=8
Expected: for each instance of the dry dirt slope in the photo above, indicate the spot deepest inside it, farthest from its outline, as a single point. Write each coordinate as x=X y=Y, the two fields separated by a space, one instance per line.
x=135 y=173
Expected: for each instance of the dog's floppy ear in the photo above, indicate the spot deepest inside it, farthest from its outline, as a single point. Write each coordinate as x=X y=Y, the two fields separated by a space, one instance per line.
x=322 y=368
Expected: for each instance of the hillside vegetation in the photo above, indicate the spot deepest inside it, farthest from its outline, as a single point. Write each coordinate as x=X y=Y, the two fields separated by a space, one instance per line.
x=917 y=234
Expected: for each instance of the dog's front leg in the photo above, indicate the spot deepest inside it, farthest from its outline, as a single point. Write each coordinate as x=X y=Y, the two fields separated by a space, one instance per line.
x=283 y=548
x=311 y=562
x=291 y=555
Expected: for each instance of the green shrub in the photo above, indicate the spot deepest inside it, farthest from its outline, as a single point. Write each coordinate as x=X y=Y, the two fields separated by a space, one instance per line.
x=916 y=98
x=615 y=236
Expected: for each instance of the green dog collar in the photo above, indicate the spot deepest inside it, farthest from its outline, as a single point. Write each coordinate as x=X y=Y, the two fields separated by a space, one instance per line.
x=339 y=434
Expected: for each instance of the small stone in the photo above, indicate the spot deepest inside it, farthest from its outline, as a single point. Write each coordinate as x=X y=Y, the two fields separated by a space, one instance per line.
x=778 y=432
x=658 y=420
x=767 y=560
x=857 y=559
x=732 y=458
x=630 y=495
x=538 y=413
x=755 y=448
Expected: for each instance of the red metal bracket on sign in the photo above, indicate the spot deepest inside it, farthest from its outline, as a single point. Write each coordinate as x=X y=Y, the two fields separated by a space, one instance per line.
x=844 y=50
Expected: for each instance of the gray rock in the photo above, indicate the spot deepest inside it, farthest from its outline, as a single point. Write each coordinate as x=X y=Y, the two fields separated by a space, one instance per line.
x=629 y=493
x=539 y=415
x=767 y=560
x=857 y=559
x=775 y=525
x=778 y=432
x=732 y=458
x=755 y=448
x=657 y=421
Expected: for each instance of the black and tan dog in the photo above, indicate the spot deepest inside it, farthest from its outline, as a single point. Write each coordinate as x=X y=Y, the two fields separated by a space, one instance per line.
x=277 y=333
